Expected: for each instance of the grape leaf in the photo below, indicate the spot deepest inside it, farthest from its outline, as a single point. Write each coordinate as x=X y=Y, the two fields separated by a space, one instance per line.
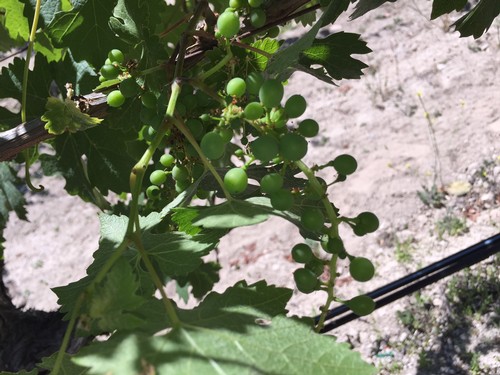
x=201 y=279
x=479 y=19
x=364 y=6
x=84 y=29
x=39 y=79
x=267 y=45
x=65 y=116
x=11 y=199
x=285 y=60
x=15 y=21
x=440 y=7
x=115 y=300
x=48 y=9
x=241 y=331
x=131 y=17
x=67 y=367
x=333 y=53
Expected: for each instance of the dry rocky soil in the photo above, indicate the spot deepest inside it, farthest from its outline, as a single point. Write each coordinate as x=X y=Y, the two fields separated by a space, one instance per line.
x=451 y=327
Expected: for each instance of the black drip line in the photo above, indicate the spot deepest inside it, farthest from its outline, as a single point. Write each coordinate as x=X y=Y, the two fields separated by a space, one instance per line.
x=417 y=280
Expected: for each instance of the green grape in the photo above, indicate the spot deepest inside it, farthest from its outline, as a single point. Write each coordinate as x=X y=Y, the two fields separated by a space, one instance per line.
x=205 y=117
x=264 y=148
x=316 y=266
x=196 y=128
x=149 y=100
x=238 y=4
x=258 y=17
x=361 y=305
x=239 y=153
x=197 y=170
x=129 y=87
x=273 y=32
x=295 y=106
x=254 y=81
x=282 y=200
x=361 y=269
x=271 y=92
x=152 y=192
x=302 y=253
x=293 y=146
x=109 y=71
x=277 y=115
x=148 y=133
x=202 y=194
x=102 y=79
x=212 y=145
x=306 y=281
x=182 y=185
x=108 y=62
x=312 y=219
x=236 y=180
x=345 y=164
x=367 y=222
x=167 y=160
x=158 y=177
x=190 y=150
x=271 y=183
x=309 y=128
x=228 y=24
x=180 y=173
x=226 y=134
x=253 y=111
x=115 y=55
x=333 y=245
x=115 y=99
x=255 y=3
x=236 y=87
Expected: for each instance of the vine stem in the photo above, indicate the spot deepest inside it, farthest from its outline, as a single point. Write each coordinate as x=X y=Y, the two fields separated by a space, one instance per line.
x=185 y=131
x=217 y=66
x=81 y=298
x=24 y=97
x=333 y=232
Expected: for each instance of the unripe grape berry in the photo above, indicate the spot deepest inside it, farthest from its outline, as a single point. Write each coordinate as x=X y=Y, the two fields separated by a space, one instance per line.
x=293 y=146
x=180 y=173
x=258 y=17
x=158 y=177
x=312 y=219
x=109 y=71
x=361 y=305
x=253 y=111
x=196 y=128
x=115 y=55
x=228 y=24
x=254 y=81
x=115 y=99
x=148 y=100
x=316 y=266
x=236 y=87
x=302 y=253
x=309 y=128
x=273 y=32
x=212 y=145
x=295 y=106
x=182 y=185
x=345 y=164
x=236 y=180
x=271 y=92
x=306 y=281
x=271 y=183
x=333 y=245
x=282 y=200
x=237 y=4
x=153 y=192
x=226 y=134
x=361 y=269
x=129 y=88
x=264 y=148
x=366 y=222
x=167 y=160
x=255 y=3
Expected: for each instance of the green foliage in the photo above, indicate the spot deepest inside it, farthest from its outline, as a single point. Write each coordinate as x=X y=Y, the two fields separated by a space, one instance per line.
x=64 y=116
x=200 y=105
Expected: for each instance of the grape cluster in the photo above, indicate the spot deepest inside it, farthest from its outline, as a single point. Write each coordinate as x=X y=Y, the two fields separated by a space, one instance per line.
x=236 y=127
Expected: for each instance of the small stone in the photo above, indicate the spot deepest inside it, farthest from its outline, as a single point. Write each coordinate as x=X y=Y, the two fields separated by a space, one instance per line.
x=488 y=197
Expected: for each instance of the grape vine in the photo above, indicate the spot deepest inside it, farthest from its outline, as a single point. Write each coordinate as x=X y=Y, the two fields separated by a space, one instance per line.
x=198 y=140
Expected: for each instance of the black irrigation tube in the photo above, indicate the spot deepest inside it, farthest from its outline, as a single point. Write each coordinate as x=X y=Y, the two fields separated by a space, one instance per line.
x=417 y=280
